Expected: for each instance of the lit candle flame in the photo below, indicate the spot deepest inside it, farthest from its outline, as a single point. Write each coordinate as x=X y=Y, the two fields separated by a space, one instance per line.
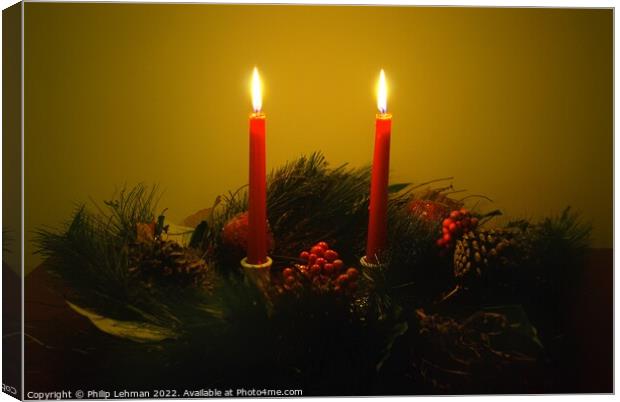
x=382 y=93
x=257 y=93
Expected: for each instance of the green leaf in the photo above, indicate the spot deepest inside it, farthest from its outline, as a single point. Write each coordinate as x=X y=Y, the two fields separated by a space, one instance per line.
x=398 y=330
x=395 y=330
x=198 y=234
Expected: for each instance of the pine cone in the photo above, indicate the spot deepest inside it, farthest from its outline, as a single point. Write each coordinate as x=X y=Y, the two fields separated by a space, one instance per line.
x=481 y=253
x=167 y=263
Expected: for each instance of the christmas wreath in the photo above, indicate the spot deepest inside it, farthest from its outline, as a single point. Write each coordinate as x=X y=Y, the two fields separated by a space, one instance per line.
x=458 y=305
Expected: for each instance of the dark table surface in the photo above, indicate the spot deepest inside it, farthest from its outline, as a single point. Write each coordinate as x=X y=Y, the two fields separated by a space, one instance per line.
x=59 y=343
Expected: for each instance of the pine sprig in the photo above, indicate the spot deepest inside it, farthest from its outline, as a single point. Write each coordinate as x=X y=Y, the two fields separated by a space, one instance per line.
x=130 y=207
x=564 y=232
x=556 y=245
x=90 y=254
x=307 y=201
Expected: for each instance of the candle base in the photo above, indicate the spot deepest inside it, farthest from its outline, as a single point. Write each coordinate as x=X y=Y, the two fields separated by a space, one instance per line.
x=246 y=265
x=369 y=265
x=260 y=274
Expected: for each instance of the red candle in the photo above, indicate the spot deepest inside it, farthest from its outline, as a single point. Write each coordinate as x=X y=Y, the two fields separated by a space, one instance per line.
x=257 y=200
x=377 y=222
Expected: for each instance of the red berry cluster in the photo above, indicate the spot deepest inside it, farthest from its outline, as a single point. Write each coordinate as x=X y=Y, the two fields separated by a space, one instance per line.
x=427 y=210
x=455 y=225
x=323 y=269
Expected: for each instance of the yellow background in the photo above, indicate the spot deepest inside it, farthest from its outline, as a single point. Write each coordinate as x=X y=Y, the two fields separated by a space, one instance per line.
x=515 y=103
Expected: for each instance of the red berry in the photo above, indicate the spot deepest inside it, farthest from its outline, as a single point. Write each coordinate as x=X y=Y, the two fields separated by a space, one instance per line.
x=464 y=211
x=352 y=273
x=447 y=222
x=452 y=227
x=455 y=215
x=323 y=245
x=447 y=237
x=312 y=258
x=317 y=250
x=445 y=230
x=304 y=255
x=459 y=225
x=474 y=222
x=342 y=279
x=328 y=268
x=337 y=264
x=321 y=261
x=315 y=269
x=290 y=280
x=440 y=242
x=288 y=272
x=330 y=255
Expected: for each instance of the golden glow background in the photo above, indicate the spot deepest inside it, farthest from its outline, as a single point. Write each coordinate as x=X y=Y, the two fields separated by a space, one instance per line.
x=515 y=103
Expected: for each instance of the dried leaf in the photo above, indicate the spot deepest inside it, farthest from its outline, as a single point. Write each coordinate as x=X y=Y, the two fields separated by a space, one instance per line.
x=132 y=330
x=145 y=232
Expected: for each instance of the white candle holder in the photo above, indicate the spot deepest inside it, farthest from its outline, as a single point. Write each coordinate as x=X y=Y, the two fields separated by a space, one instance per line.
x=258 y=273
x=265 y=265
